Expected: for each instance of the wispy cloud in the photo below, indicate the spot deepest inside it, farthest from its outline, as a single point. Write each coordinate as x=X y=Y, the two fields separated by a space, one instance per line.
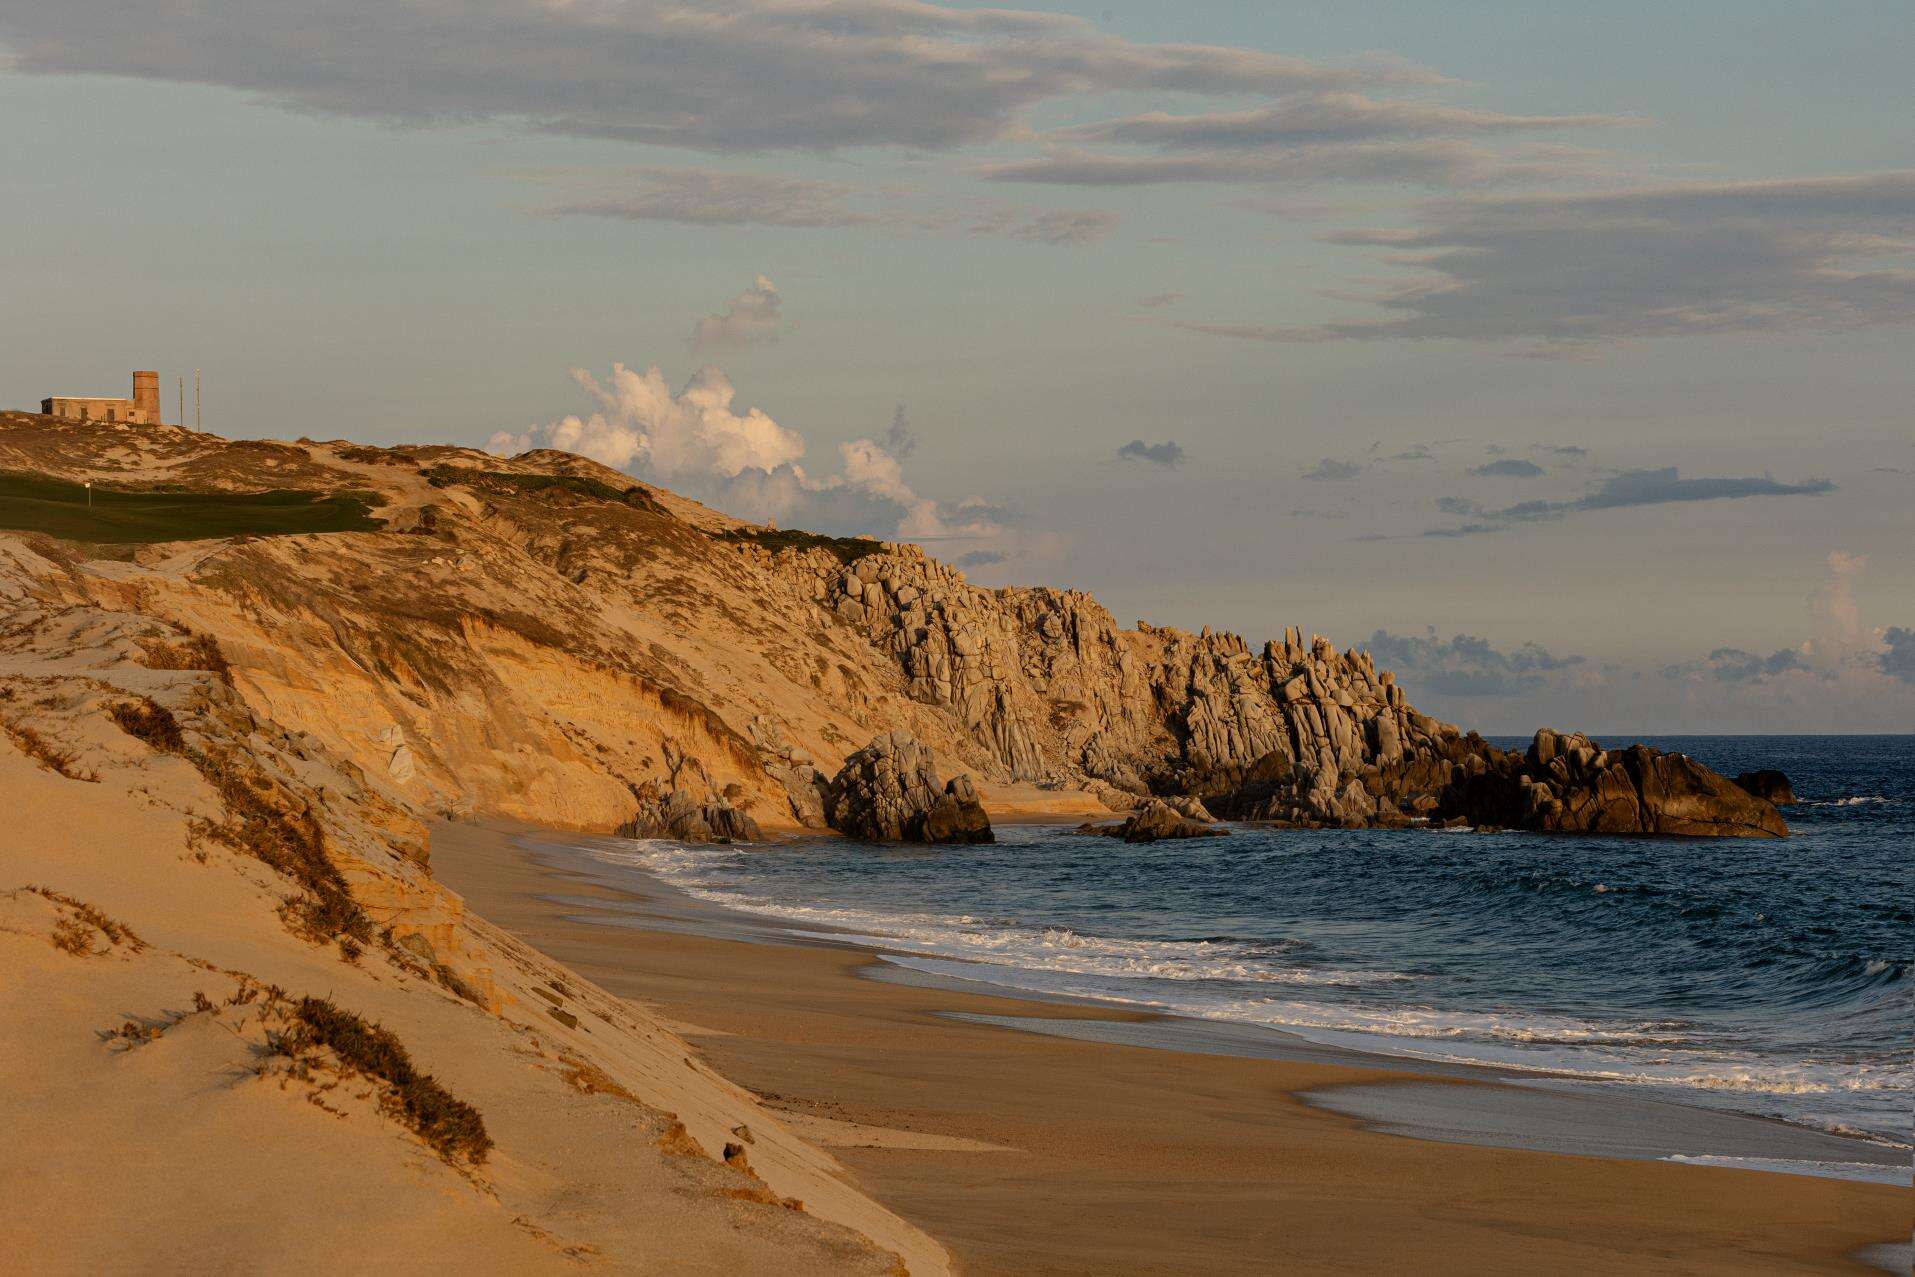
x=754 y=317
x=1464 y=665
x=1167 y=453
x=697 y=196
x=1562 y=274
x=1619 y=491
x=749 y=75
x=1308 y=136
x=1898 y=661
x=1508 y=468
x=1331 y=469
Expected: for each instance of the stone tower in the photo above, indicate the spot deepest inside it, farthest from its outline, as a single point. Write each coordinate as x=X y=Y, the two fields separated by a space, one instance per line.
x=146 y=398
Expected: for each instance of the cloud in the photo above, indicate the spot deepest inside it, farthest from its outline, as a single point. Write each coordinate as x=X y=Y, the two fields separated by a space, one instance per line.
x=1167 y=453
x=749 y=75
x=1155 y=300
x=1437 y=163
x=1622 y=490
x=697 y=442
x=1309 y=136
x=1508 y=468
x=752 y=318
x=1836 y=615
x=1848 y=676
x=899 y=439
x=1464 y=665
x=711 y=197
x=1564 y=450
x=1733 y=665
x=1898 y=661
x=979 y=559
x=1309 y=118
x=1064 y=228
x=1565 y=273
x=1330 y=468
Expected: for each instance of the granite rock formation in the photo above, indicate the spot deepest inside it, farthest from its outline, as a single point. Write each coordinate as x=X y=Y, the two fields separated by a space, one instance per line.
x=1154 y=820
x=681 y=816
x=889 y=792
x=1769 y=785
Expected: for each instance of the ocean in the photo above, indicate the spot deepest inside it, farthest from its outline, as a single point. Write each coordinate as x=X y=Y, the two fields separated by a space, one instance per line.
x=1765 y=977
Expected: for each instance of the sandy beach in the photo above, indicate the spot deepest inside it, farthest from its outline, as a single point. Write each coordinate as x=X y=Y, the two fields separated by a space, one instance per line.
x=1032 y=1152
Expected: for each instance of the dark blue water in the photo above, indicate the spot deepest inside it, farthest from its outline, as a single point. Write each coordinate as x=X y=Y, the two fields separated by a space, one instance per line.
x=1766 y=976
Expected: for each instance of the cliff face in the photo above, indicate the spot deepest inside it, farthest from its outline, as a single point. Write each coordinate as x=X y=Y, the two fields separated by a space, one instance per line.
x=543 y=637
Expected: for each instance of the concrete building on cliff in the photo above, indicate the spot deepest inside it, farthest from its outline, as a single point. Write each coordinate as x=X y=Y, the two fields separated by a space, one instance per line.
x=142 y=409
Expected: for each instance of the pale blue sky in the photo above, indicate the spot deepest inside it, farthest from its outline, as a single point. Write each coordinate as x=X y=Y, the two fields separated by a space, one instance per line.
x=356 y=239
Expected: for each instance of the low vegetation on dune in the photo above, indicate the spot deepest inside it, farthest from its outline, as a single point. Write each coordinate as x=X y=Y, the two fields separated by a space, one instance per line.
x=261 y=823
x=450 y=1126
x=117 y=516
x=572 y=484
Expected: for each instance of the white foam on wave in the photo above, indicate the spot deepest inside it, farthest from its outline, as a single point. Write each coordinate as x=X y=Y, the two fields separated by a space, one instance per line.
x=1867 y=1172
x=1854 y=800
x=1205 y=979
x=1008 y=943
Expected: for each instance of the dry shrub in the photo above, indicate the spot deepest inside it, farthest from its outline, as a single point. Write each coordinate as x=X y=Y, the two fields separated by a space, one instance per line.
x=152 y=723
x=450 y=1126
x=46 y=753
x=194 y=652
x=77 y=926
x=289 y=841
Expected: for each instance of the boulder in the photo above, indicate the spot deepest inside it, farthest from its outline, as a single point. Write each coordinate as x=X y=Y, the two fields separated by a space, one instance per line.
x=889 y=791
x=681 y=816
x=1768 y=785
x=1156 y=819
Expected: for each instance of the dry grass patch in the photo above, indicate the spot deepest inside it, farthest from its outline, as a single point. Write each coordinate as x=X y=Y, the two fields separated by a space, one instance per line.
x=80 y=922
x=266 y=824
x=194 y=652
x=144 y=720
x=450 y=1126
x=46 y=753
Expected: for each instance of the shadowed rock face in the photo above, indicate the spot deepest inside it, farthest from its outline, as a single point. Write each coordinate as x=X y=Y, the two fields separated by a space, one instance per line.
x=1771 y=786
x=1568 y=784
x=889 y=792
x=1157 y=819
x=681 y=816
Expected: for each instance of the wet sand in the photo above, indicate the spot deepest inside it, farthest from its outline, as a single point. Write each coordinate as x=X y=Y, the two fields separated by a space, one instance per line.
x=1032 y=1152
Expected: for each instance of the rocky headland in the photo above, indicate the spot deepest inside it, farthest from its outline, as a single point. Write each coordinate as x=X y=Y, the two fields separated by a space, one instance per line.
x=545 y=638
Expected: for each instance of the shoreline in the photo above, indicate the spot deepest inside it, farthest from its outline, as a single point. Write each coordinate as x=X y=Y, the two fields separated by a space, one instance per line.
x=1672 y=1123
x=1037 y=1151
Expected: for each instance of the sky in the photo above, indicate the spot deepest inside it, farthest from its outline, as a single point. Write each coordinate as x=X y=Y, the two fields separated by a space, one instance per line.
x=1559 y=353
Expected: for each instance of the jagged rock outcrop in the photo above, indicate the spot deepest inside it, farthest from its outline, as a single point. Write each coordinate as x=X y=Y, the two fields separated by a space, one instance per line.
x=1570 y=784
x=1154 y=820
x=1768 y=785
x=681 y=816
x=889 y=792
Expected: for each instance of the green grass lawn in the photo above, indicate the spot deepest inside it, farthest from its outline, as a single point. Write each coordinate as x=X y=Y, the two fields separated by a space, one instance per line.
x=36 y=503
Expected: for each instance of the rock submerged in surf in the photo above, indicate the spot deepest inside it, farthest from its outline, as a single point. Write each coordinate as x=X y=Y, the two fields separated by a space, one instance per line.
x=1768 y=785
x=889 y=791
x=1158 y=819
